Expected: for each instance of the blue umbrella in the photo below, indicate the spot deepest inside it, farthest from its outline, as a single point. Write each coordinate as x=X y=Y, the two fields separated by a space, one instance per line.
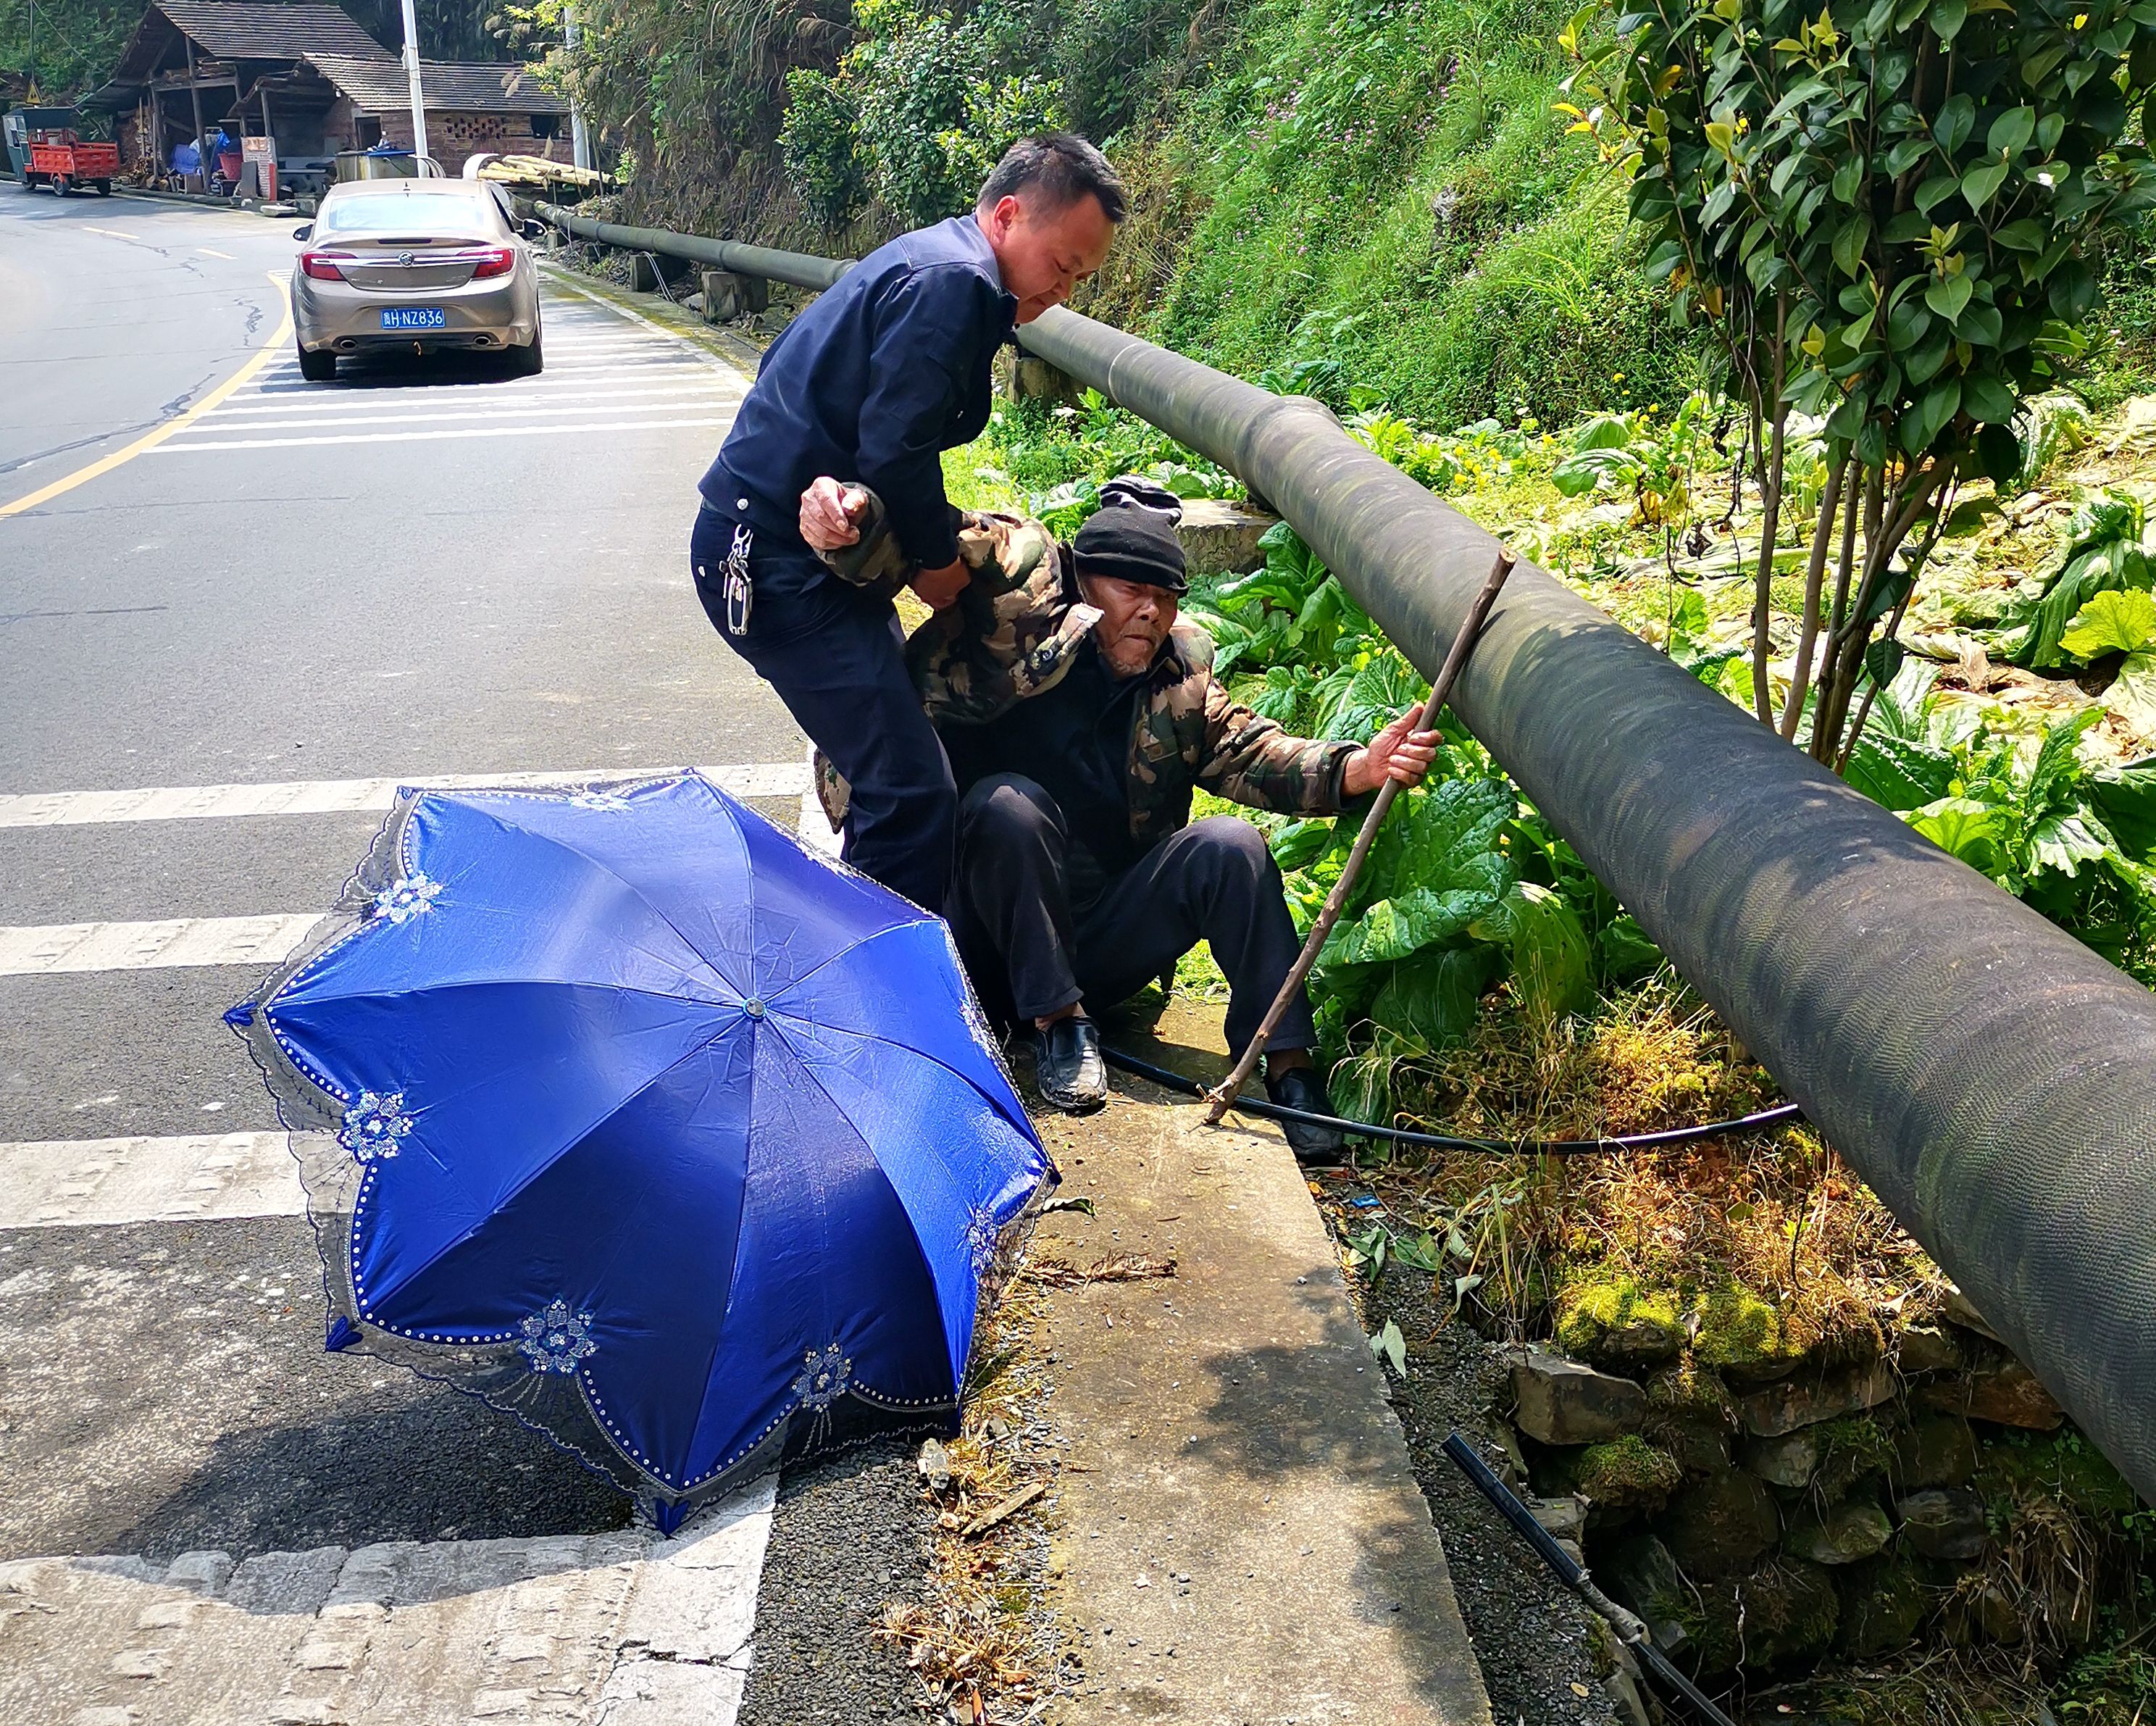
x=643 y=1121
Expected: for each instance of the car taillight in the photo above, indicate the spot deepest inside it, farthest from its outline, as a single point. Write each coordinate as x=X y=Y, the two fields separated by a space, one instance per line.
x=322 y=267
x=495 y=260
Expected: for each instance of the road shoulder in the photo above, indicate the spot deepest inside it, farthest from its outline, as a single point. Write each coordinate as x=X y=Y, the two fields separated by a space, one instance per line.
x=1241 y=1536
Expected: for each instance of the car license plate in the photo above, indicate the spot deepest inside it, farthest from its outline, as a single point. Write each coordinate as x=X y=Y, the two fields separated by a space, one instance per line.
x=412 y=317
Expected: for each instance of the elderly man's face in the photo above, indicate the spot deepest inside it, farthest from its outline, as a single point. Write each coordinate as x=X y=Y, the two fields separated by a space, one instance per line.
x=1134 y=620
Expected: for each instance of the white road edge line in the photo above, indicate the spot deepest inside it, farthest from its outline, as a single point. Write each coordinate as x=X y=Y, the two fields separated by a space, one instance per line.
x=329 y=797
x=176 y=447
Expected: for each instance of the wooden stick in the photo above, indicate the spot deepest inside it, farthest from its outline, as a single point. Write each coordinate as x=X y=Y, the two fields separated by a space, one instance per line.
x=1222 y=1096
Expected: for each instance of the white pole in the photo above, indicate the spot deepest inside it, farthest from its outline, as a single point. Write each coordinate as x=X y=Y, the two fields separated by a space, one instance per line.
x=411 y=76
x=580 y=142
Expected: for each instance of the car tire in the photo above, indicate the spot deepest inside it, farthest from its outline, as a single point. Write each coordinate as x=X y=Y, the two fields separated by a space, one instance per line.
x=60 y=186
x=527 y=361
x=318 y=368
x=105 y=188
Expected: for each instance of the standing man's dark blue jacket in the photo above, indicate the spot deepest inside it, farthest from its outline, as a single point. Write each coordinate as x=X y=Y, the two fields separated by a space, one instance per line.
x=871 y=384
x=888 y=369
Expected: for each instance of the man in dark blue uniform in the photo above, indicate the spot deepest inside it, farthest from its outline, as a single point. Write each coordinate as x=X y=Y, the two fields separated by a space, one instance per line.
x=868 y=387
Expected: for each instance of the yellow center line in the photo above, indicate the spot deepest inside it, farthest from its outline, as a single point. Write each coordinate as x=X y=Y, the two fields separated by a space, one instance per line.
x=178 y=422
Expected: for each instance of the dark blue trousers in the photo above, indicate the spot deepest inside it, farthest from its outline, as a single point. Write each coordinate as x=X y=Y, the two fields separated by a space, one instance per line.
x=835 y=654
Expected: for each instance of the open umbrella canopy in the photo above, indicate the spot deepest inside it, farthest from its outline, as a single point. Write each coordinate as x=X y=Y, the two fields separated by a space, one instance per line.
x=642 y=1121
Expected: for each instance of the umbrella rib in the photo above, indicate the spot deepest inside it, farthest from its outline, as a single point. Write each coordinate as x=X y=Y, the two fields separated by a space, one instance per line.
x=851 y=947
x=630 y=887
x=921 y=1252
x=554 y=1156
x=869 y=1036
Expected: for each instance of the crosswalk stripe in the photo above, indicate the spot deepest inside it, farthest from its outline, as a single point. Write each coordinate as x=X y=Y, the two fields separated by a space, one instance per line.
x=72 y=1183
x=329 y=797
x=480 y=418
x=194 y=446
x=158 y=943
x=630 y=1627
x=360 y=393
x=500 y=400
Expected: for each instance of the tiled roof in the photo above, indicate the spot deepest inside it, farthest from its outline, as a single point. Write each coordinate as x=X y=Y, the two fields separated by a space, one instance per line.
x=449 y=86
x=234 y=31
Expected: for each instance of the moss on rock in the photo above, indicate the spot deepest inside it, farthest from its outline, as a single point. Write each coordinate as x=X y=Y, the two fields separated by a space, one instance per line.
x=1692 y=1415
x=1625 y=1474
x=1852 y=1448
x=1616 y=1321
x=1742 y=1331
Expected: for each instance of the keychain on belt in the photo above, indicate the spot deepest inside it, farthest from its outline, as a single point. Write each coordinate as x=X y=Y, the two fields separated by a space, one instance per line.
x=740 y=593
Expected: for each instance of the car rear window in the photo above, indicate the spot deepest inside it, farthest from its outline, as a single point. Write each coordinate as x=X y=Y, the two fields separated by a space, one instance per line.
x=447 y=213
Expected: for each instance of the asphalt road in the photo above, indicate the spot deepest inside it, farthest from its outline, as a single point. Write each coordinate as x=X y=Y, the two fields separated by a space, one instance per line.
x=426 y=568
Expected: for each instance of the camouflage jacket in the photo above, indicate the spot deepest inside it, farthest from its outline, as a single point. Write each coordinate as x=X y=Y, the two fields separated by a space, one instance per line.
x=1011 y=635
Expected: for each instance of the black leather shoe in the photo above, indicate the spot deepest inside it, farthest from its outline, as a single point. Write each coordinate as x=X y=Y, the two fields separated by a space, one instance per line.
x=1067 y=1066
x=1297 y=1088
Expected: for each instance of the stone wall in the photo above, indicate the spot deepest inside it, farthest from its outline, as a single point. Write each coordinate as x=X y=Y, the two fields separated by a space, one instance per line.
x=1763 y=1510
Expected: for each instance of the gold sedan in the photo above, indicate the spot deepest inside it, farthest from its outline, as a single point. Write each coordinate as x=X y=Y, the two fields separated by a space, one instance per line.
x=413 y=266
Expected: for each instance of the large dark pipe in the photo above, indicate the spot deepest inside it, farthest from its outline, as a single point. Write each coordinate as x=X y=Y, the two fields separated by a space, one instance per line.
x=798 y=268
x=1990 y=1077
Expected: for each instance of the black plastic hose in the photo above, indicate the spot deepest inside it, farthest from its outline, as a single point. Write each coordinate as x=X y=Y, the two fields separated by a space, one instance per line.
x=1780 y=1115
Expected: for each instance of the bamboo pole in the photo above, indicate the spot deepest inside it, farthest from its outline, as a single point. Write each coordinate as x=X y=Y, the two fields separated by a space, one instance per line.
x=1223 y=1095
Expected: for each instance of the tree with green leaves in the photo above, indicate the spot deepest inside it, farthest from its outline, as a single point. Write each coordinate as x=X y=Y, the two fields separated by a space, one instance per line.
x=1890 y=219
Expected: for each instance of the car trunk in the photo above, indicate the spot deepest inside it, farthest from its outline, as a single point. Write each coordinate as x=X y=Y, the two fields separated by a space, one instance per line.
x=410 y=263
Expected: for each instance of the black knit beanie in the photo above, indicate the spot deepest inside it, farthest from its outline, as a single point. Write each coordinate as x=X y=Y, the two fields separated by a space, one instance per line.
x=1130 y=542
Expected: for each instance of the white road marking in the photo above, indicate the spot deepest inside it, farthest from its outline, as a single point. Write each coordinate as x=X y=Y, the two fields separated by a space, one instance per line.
x=212 y=252
x=812 y=824
x=327 y=797
x=498 y=400
x=626 y=1627
x=481 y=416
x=557 y=279
x=109 y=233
x=176 y=447
x=43 y=949
x=68 y=1183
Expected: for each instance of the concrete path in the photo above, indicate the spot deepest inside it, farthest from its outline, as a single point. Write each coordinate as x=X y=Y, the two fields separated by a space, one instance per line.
x=1242 y=1539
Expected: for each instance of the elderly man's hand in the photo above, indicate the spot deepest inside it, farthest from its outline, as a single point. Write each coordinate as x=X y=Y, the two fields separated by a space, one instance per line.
x=939 y=588
x=1400 y=751
x=831 y=514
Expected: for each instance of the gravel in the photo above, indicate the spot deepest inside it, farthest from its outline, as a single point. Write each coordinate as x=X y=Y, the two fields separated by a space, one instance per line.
x=1534 y=1638
x=851 y=1533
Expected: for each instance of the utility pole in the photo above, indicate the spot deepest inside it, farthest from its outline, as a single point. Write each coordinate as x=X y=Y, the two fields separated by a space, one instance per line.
x=412 y=77
x=580 y=142
x=194 y=101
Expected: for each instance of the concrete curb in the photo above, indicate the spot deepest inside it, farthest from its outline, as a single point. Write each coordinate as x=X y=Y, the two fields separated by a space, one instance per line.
x=1242 y=1539
x=203 y=200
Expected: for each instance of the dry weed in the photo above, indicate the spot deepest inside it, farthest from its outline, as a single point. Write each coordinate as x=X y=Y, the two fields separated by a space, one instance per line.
x=982 y=1647
x=1766 y=1229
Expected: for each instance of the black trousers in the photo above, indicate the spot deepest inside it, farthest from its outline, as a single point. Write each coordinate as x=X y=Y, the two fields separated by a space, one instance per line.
x=1031 y=950
x=835 y=655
